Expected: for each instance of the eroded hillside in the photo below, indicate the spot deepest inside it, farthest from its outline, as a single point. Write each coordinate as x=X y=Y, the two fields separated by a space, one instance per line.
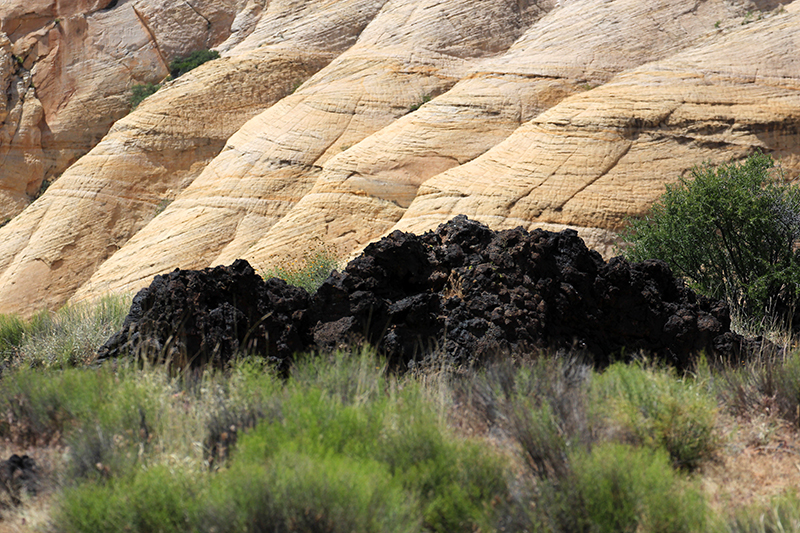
x=344 y=120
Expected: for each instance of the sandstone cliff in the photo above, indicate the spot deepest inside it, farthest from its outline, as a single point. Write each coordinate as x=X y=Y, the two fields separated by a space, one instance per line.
x=345 y=120
x=72 y=65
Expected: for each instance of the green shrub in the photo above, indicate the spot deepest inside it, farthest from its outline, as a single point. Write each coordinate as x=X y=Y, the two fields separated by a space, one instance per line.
x=157 y=499
x=621 y=488
x=68 y=337
x=182 y=65
x=340 y=447
x=388 y=431
x=415 y=107
x=657 y=409
x=732 y=232
x=110 y=419
x=141 y=91
x=12 y=331
x=298 y=492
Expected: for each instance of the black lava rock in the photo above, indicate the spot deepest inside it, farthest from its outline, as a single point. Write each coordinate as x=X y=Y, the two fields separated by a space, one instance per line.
x=463 y=290
x=197 y=317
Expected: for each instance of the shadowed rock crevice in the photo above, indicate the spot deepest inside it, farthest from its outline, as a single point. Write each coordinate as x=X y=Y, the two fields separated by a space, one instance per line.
x=463 y=291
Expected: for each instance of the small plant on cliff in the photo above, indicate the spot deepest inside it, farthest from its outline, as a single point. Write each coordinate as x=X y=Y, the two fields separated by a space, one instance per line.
x=141 y=91
x=425 y=100
x=182 y=65
x=309 y=271
x=732 y=231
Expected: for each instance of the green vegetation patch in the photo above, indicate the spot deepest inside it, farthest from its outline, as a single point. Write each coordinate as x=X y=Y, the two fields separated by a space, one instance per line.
x=141 y=91
x=181 y=65
x=346 y=450
x=623 y=488
x=65 y=338
x=653 y=407
x=732 y=231
x=309 y=271
x=343 y=445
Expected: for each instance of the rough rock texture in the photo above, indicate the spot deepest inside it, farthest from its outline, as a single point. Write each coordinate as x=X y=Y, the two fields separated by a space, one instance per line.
x=540 y=113
x=18 y=474
x=409 y=51
x=464 y=290
x=563 y=53
x=198 y=317
x=605 y=154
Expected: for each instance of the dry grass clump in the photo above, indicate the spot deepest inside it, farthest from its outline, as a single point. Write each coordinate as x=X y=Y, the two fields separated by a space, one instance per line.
x=309 y=270
x=65 y=338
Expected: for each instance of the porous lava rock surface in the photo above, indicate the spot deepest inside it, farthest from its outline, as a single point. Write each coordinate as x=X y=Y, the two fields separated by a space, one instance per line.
x=463 y=291
x=196 y=317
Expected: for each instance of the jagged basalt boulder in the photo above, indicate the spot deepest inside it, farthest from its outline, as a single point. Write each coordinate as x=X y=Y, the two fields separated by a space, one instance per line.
x=18 y=474
x=463 y=290
x=196 y=317
x=472 y=292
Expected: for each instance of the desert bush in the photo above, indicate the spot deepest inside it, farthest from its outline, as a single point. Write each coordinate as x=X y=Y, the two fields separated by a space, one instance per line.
x=767 y=384
x=384 y=430
x=732 y=232
x=298 y=492
x=157 y=499
x=12 y=331
x=235 y=402
x=65 y=338
x=652 y=406
x=309 y=271
x=541 y=404
x=141 y=91
x=341 y=447
x=622 y=488
x=107 y=420
x=182 y=65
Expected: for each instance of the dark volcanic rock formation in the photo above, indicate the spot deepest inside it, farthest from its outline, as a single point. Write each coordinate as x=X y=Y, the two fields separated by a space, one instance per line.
x=462 y=290
x=205 y=316
x=18 y=474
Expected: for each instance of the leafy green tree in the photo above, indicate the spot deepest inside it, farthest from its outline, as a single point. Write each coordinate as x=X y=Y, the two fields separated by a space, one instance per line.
x=182 y=65
x=732 y=231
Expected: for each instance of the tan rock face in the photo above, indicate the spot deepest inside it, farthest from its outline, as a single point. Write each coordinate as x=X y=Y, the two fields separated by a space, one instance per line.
x=550 y=113
x=80 y=59
x=606 y=154
x=275 y=159
x=565 y=52
x=144 y=162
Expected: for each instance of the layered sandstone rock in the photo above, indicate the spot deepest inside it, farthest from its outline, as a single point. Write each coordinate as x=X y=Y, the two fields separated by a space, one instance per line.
x=564 y=53
x=606 y=154
x=410 y=51
x=149 y=157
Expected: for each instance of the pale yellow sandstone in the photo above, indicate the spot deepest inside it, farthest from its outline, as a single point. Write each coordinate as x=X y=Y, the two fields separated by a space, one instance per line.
x=365 y=191
x=409 y=51
x=142 y=164
x=606 y=154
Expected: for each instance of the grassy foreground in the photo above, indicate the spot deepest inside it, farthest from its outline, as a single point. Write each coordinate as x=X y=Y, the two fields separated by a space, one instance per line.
x=534 y=443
